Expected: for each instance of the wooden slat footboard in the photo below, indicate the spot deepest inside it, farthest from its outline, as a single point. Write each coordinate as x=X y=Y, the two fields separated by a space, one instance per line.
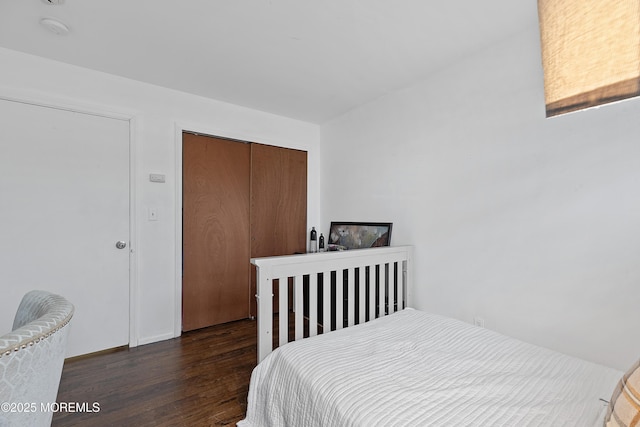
x=330 y=290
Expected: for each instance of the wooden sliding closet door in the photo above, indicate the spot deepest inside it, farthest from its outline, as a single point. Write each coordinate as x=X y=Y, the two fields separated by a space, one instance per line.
x=216 y=226
x=278 y=204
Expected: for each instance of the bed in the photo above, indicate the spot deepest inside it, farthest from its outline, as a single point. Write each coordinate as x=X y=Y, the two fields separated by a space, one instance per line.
x=388 y=365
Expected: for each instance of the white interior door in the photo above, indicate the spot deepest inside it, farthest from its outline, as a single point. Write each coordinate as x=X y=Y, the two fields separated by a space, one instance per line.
x=64 y=203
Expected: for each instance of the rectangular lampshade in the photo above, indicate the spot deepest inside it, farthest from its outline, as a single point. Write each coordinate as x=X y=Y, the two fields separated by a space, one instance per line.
x=590 y=52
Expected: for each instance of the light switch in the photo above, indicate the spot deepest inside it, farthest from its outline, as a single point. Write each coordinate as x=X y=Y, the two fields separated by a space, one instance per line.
x=153 y=214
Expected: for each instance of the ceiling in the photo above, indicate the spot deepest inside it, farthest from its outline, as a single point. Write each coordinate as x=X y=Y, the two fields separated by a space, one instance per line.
x=304 y=59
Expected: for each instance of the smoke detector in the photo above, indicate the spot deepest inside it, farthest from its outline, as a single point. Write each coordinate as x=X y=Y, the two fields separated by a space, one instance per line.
x=55 y=2
x=55 y=26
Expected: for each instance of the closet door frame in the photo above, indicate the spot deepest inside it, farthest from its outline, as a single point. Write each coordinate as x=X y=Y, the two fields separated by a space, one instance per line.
x=179 y=128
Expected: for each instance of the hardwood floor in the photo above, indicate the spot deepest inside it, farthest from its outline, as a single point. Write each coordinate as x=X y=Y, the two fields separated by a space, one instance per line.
x=198 y=379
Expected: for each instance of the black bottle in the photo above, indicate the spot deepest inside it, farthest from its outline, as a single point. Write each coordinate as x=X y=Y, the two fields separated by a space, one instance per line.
x=313 y=241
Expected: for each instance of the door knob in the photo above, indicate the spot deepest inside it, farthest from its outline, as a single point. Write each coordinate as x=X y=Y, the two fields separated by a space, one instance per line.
x=120 y=244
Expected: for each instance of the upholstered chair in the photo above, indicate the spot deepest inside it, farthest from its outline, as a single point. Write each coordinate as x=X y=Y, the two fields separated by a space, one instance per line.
x=31 y=359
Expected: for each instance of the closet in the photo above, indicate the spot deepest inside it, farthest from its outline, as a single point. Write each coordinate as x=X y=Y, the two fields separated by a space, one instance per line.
x=240 y=200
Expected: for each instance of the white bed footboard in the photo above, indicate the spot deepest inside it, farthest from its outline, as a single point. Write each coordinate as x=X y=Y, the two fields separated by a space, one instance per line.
x=329 y=290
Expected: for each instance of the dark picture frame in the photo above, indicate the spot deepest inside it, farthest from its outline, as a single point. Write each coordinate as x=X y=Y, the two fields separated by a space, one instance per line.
x=358 y=235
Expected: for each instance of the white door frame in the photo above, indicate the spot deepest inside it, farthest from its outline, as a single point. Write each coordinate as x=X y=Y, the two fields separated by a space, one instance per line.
x=45 y=100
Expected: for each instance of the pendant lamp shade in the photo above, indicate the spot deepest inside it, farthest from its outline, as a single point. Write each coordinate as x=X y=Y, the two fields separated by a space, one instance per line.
x=590 y=52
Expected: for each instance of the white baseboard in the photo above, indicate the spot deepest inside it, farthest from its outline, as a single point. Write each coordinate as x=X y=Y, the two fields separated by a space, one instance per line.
x=157 y=338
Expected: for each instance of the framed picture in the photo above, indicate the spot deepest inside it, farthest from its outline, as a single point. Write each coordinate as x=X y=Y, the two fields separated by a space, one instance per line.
x=358 y=235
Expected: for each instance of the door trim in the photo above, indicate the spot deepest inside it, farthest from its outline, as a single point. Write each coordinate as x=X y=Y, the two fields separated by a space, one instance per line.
x=45 y=100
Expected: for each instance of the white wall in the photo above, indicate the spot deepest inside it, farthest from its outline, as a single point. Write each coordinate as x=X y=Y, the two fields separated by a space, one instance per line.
x=158 y=112
x=530 y=223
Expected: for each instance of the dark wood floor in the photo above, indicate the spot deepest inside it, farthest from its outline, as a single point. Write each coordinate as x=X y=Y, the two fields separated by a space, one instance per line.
x=199 y=379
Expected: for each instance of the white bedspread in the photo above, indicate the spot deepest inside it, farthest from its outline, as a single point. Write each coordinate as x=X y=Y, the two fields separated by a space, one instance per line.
x=417 y=369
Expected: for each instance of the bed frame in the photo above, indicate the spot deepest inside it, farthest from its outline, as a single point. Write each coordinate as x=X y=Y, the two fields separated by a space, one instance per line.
x=328 y=291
